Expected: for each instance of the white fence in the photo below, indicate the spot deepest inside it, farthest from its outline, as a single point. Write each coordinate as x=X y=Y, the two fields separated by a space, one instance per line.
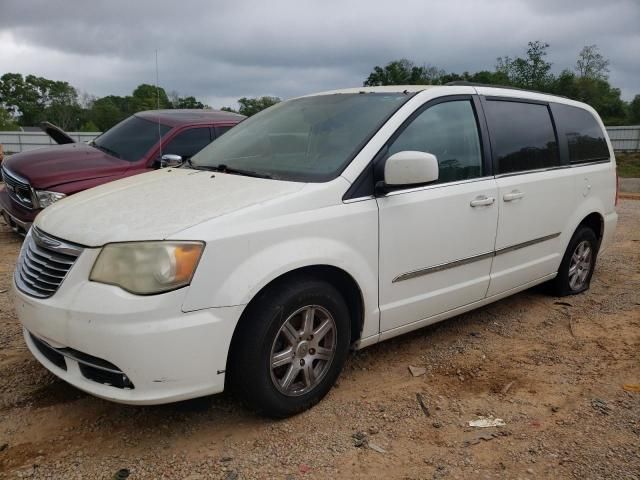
x=625 y=139
x=15 y=142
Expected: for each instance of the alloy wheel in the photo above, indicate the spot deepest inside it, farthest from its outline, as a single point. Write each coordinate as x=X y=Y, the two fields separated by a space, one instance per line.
x=580 y=265
x=303 y=350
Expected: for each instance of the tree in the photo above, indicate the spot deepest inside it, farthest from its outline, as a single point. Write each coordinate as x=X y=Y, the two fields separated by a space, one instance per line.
x=565 y=84
x=34 y=99
x=403 y=72
x=7 y=122
x=531 y=72
x=22 y=98
x=107 y=111
x=148 y=97
x=63 y=108
x=591 y=64
x=634 y=110
x=89 y=127
x=251 y=106
x=603 y=97
x=187 y=102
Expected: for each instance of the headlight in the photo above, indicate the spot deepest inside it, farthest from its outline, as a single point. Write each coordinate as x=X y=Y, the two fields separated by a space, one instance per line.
x=46 y=198
x=145 y=268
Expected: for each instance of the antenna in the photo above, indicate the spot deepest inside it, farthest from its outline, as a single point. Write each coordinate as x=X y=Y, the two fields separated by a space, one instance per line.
x=158 y=104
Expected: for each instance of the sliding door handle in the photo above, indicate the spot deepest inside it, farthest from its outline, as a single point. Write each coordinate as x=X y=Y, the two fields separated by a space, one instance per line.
x=482 y=201
x=514 y=195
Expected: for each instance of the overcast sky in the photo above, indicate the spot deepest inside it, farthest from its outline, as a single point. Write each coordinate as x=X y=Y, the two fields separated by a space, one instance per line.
x=219 y=51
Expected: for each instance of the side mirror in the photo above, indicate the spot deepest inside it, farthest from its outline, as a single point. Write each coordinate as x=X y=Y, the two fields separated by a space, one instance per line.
x=170 y=160
x=410 y=168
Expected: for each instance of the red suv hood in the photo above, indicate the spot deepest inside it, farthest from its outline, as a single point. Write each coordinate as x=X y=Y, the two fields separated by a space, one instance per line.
x=51 y=166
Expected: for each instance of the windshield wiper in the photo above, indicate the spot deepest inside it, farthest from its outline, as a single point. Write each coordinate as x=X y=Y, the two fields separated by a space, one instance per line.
x=235 y=171
x=106 y=150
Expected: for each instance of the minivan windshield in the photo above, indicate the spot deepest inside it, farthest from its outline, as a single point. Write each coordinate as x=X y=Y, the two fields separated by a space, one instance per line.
x=131 y=138
x=309 y=139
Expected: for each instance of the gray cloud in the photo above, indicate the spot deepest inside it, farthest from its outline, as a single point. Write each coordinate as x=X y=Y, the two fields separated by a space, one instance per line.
x=220 y=51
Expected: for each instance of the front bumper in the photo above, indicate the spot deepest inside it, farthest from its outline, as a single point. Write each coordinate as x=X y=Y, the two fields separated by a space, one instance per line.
x=18 y=218
x=166 y=354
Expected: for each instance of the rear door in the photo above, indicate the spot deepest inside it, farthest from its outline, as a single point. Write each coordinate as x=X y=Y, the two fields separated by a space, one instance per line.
x=436 y=241
x=535 y=192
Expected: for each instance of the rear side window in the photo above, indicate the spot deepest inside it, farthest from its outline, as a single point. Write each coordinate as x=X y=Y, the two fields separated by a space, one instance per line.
x=585 y=139
x=189 y=142
x=450 y=132
x=522 y=136
x=223 y=129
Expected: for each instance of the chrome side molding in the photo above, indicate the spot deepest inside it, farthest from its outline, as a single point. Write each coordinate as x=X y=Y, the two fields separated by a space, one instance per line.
x=474 y=258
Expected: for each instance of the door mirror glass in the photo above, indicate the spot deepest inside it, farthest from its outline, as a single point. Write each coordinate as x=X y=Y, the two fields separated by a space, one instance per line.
x=170 y=160
x=410 y=168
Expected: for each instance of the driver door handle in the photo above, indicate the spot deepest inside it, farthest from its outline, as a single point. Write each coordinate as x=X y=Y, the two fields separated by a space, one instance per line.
x=514 y=195
x=482 y=201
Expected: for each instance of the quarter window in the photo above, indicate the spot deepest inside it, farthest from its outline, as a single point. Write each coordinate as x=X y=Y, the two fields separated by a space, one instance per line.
x=585 y=138
x=450 y=132
x=188 y=142
x=522 y=136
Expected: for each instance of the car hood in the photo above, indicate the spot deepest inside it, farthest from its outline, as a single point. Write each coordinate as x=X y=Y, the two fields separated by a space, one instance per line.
x=50 y=166
x=56 y=133
x=154 y=205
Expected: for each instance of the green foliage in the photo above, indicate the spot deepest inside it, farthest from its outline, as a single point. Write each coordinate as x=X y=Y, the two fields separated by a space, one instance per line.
x=251 y=106
x=591 y=64
x=634 y=110
x=31 y=99
x=188 y=102
x=531 y=72
x=34 y=99
x=603 y=97
x=403 y=72
x=7 y=123
x=89 y=127
x=628 y=165
x=148 y=97
x=107 y=111
x=587 y=84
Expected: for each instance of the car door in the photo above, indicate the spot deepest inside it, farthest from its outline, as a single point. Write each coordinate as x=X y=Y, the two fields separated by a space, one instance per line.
x=535 y=193
x=436 y=240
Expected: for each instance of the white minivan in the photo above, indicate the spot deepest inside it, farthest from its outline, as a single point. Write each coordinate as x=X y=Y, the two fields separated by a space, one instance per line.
x=324 y=223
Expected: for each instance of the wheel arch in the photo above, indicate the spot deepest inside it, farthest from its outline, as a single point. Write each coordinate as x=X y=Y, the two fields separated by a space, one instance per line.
x=338 y=277
x=595 y=221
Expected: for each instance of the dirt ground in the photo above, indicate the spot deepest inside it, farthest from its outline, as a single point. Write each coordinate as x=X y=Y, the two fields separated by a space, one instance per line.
x=553 y=369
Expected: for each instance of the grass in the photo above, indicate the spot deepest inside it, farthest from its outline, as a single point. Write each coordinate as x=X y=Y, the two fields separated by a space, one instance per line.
x=628 y=165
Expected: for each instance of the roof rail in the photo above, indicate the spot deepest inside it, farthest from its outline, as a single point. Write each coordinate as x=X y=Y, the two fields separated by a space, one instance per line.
x=461 y=83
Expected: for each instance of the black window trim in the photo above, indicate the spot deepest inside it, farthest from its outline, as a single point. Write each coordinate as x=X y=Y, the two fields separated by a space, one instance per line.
x=364 y=185
x=563 y=155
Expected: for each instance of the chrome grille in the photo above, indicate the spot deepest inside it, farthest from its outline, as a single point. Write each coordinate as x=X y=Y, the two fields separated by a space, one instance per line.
x=18 y=188
x=44 y=263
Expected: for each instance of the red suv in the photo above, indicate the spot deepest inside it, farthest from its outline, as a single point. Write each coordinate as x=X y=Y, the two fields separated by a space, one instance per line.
x=37 y=178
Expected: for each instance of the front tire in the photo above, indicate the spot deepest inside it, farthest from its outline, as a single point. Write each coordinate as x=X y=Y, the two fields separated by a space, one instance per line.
x=578 y=263
x=291 y=346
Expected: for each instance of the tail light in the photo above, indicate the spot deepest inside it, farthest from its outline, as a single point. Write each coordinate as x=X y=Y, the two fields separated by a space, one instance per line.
x=617 y=188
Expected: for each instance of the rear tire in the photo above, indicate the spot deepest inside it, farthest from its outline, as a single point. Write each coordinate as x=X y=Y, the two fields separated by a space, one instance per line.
x=578 y=263
x=291 y=346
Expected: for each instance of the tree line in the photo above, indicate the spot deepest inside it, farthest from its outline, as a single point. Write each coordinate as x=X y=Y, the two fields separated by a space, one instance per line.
x=29 y=100
x=587 y=81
